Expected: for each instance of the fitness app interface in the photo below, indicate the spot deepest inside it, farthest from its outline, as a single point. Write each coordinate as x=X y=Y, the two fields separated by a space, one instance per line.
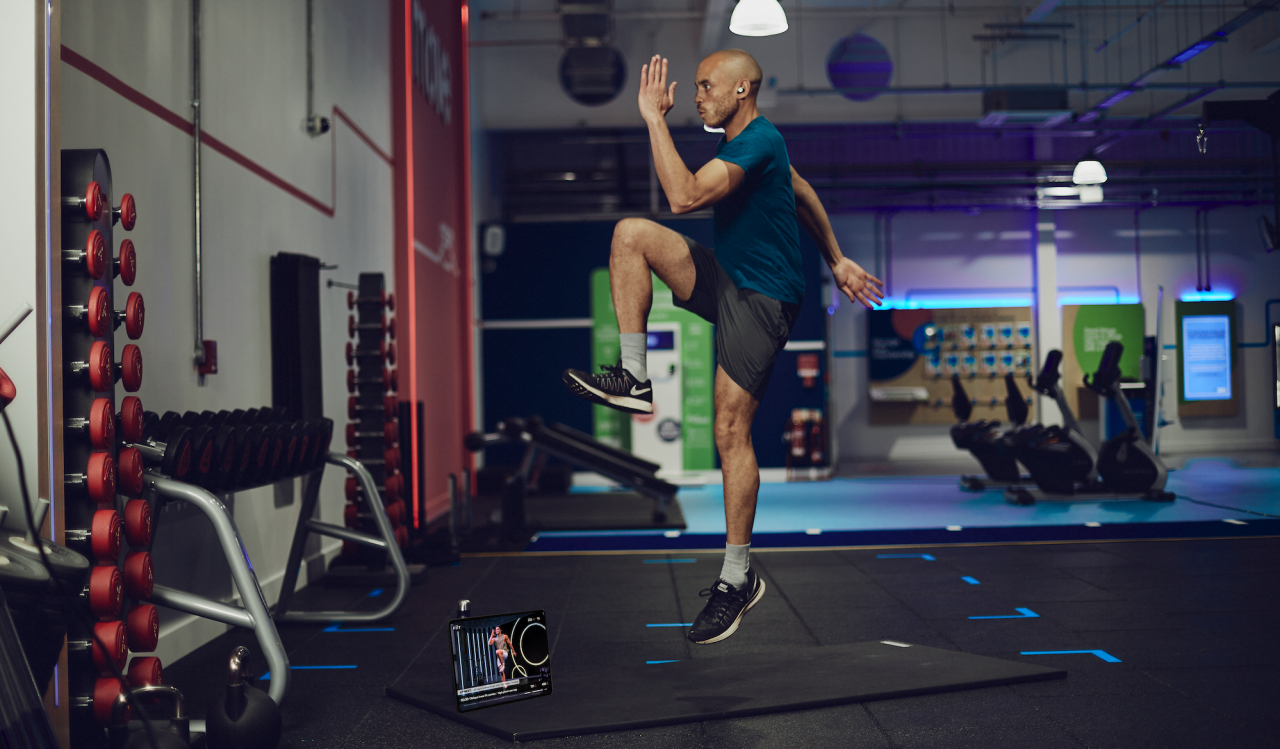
x=1206 y=357
x=498 y=659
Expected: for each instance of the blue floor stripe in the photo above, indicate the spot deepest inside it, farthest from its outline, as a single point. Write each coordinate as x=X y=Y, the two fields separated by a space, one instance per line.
x=926 y=557
x=669 y=561
x=267 y=675
x=375 y=592
x=1022 y=614
x=970 y=580
x=1104 y=655
x=336 y=627
x=676 y=624
x=653 y=662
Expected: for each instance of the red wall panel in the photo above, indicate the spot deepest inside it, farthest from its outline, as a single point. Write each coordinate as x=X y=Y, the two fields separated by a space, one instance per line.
x=430 y=107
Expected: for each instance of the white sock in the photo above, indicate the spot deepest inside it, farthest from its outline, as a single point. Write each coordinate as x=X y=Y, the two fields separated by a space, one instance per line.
x=635 y=349
x=737 y=560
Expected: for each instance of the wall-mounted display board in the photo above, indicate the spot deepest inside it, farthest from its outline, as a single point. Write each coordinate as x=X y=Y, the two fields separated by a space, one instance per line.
x=681 y=366
x=1208 y=376
x=912 y=354
x=1086 y=331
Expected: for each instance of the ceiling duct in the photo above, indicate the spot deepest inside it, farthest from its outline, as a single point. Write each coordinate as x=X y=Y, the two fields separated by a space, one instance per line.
x=1026 y=105
x=592 y=71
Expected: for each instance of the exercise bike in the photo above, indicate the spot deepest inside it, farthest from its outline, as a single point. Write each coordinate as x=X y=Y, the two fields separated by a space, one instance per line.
x=1060 y=459
x=993 y=447
x=1127 y=468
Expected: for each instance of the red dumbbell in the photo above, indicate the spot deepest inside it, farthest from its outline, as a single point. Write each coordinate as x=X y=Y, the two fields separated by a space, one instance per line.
x=111 y=636
x=355 y=407
x=100 y=426
x=352 y=489
x=395 y=513
x=100 y=368
x=130 y=368
x=139 y=577
x=394 y=486
x=91 y=205
x=126 y=264
x=391 y=457
x=350 y=516
x=102 y=537
x=391 y=353
x=145 y=671
x=137 y=523
x=92 y=258
x=99 y=478
x=96 y=314
x=126 y=213
x=132 y=419
x=130 y=480
x=391 y=302
x=105 y=693
x=132 y=316
x=353 y=353
x=353 y=326
x=105 y=591
x=102 y=372
x=388 y=434
x=402 y=536
x=143 y=627
x=380 y=299
x=387 y=380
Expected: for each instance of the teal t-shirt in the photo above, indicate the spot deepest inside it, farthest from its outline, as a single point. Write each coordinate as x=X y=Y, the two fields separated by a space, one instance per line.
x=757 y=239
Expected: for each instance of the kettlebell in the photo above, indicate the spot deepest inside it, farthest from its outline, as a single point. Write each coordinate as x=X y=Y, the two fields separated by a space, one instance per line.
x=245 y=717
x=176 y=735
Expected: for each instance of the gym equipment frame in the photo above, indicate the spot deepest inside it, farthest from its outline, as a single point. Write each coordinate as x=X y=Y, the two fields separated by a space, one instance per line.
x=385 y=541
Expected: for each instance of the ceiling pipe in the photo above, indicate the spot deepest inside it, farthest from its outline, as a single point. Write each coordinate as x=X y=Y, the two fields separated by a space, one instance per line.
x=1175 y=62
x=692 y=15
x=198 y=280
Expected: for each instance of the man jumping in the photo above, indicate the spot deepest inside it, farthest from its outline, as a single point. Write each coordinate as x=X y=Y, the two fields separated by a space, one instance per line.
x=750 y=288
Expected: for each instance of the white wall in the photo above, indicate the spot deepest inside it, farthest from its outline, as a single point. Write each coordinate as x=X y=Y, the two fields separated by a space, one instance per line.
x=1095 y=246
x=18 y=250
x=254 y=100
x=519 y=85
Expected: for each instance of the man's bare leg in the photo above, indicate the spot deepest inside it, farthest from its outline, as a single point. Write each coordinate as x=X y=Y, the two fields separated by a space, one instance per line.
x=641 y=246
x=735 y=410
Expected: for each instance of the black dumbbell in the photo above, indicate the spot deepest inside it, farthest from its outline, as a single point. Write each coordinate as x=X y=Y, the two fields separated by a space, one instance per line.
x=166 y=444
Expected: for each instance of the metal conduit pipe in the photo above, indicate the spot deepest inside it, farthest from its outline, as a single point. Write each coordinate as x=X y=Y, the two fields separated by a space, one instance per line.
x=195 y=177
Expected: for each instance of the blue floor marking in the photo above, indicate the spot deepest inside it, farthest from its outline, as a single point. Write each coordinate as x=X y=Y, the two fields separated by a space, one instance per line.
x=1022 y=614
x=669 y=561
x=927 y=557
x=267 y=675
x=970 y=580
x=676 y=624
x=375 y=592
x=653 y=662
x=1104 y=655
x=335 y=627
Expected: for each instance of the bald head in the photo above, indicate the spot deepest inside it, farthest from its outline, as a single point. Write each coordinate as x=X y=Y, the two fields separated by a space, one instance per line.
x=736 y=65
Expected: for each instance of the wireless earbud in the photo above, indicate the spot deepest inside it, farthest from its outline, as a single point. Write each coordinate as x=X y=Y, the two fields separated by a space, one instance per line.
x=741 y=90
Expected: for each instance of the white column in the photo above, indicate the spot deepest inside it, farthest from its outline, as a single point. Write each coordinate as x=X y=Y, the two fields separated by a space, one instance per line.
x=1048 y=315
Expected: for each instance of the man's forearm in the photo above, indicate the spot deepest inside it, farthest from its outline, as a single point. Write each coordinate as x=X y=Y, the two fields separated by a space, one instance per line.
x=813 y=217
x=677 y=181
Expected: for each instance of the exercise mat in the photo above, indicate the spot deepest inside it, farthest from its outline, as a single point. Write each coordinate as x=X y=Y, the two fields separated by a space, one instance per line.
x=687 y=691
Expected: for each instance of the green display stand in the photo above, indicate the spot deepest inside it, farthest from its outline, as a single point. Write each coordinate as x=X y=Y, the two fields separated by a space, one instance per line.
x=697 y=358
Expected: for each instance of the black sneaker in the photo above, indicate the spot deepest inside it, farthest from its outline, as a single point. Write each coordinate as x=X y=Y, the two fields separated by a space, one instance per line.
x=616 y=388
x=721 y=615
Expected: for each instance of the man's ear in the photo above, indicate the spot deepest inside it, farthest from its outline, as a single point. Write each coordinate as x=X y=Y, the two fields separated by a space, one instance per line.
x=743 y=88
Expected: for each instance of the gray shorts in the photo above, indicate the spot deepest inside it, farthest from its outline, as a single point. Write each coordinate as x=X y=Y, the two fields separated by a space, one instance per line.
x=751 y=328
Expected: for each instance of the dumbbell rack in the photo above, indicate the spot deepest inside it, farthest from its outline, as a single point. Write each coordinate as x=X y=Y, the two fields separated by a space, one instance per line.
x=96 y=465
x=372 y=430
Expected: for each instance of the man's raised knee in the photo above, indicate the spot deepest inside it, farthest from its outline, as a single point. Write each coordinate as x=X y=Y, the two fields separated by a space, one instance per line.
x=628 y=232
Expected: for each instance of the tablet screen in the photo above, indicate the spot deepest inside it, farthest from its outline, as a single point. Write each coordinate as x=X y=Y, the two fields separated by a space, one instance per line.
x=498 y=659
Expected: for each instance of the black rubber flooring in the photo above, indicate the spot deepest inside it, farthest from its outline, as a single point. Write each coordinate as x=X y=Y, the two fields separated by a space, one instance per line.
x=1193 y=625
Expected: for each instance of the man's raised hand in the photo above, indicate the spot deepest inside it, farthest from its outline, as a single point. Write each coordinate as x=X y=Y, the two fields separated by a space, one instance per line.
x=656 y=97
x=857 y=284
